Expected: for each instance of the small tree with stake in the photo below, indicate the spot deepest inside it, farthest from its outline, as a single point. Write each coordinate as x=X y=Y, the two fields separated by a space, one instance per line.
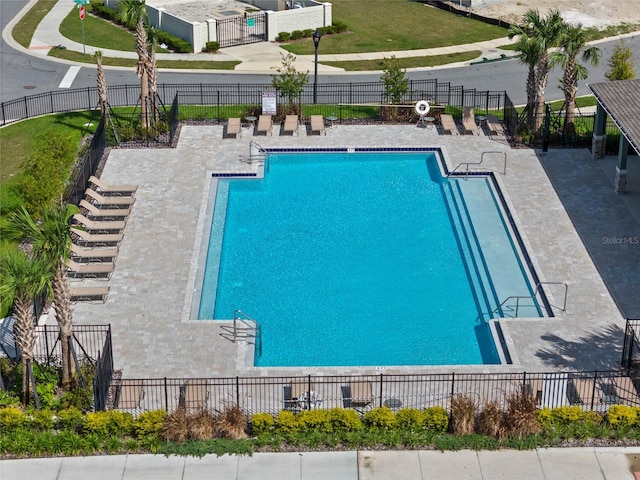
x=289 y=82
x=396 y=86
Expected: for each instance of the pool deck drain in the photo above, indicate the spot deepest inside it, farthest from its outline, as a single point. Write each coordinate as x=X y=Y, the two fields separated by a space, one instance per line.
x=152 y=286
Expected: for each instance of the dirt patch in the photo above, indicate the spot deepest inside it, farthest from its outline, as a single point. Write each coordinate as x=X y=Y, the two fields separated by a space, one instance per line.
x=590 y=13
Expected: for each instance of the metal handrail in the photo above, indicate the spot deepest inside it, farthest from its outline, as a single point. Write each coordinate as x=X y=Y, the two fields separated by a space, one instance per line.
x=466 y=175
x=566 y=293
x=244 y=319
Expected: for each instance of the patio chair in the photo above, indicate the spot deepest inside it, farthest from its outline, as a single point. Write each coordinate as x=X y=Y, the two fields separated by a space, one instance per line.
x=494 y=126
x=129 y=395
x=89 y=255
x=85 y=239
x=626 y=390
x=108 y=202
x=316 y=124
x=360 y=394
x=291 y=125
x=101 y=271
x=92 y=226
x=195 y=395
x=265 y=125
x=234 y=127
x=448 y=124
x=469 y=121
x=94 y=213
x=97 y=294
x=112 y=190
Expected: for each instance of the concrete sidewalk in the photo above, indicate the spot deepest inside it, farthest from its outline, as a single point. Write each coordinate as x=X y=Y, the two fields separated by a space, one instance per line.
x=257 y=57
x=547 y=464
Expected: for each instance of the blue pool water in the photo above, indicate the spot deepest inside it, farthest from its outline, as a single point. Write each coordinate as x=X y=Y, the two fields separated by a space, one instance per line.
x=361 y=259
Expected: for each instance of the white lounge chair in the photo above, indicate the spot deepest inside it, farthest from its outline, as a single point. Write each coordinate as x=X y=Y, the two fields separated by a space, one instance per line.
x=97 y=294
x=92 y=226
x=112 y=190
x=317 y=124
x=89 y=255
x=494 y=126
x=469 y=121
x=448 y=124
x=234 y=127
x=83 y=238
x=265 y=125
x=89 y=270
x=291 y=125
x=94 y=213
x=108 y=202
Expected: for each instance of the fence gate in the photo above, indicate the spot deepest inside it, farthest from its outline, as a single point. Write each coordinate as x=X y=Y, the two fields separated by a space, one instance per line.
x=241 y=30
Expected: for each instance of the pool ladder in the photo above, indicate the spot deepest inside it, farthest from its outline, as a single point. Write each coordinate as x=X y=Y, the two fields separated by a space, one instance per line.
x=257 y=155
x=518 y=298
x=467 y=164
x=247 y=329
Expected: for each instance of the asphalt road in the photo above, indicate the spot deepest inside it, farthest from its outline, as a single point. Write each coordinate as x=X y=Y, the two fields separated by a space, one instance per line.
x=26 y=74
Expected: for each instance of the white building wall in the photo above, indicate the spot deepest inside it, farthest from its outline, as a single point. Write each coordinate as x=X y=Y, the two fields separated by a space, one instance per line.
x=296 y=19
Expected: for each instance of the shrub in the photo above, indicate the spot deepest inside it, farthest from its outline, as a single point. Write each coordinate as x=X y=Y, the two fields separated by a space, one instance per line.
x=381 y=418
x=463 y=415
x=262 y=423
x=520 y=415
x=231 y=423
x=211 y=47
x=176 y=426
x=491 y=420
x=621 y=416
x=41 y=420
x=344 y=420
x=567 y=415
x=112 y=422
x=11 y=419
x=331 y=29
x=70 y=419
x=104 y=12
x=149 y=425
x=410 y=419
x=284 y=36
x=80 y=398
x=340 y=27
x=286 y=422
x=297 y=34
x=201 y=425
x=174 y=43
x=316 y=420
x=307 y=32
x=436 y=419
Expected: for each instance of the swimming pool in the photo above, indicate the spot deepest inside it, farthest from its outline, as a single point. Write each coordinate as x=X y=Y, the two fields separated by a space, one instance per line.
x=364 y=259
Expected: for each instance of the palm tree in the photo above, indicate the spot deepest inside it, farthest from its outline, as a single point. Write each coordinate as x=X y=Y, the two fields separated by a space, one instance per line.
x=51 y=241
x=22 y=279
x=152 y=43
x=572 y=46
x=102 y=84
x=529 y=55
x=134 y=12
x=545 y=32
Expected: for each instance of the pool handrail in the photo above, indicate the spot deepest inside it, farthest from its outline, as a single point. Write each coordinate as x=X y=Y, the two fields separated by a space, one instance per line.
x=466 y=173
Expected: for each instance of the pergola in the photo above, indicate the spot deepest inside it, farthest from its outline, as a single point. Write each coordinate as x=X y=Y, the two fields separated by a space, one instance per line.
x=621 y=101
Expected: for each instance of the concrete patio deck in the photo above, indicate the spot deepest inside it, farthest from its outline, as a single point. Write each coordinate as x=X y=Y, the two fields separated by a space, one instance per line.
x=152 y=286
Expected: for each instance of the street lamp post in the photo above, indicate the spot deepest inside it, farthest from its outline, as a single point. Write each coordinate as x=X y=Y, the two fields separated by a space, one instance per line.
x=316 y=41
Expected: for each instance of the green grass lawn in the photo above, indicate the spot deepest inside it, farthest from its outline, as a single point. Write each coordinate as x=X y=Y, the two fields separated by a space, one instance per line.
x=24 y=29
x=384 y=26
x=409 y=62
x=98 y=32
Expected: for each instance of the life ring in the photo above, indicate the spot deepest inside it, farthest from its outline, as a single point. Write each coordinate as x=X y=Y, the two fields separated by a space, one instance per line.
x=422 y=108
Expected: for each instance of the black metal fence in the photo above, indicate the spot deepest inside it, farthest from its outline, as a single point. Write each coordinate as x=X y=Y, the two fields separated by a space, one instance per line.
x=103 y=375
x=588 y=390
x=631 y=345
x=86 y=166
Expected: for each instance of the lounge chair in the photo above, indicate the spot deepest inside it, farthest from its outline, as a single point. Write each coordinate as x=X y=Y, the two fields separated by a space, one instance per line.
x=89 y=255
x=195 y=395
x=234 y=127
x=82 y=238
x=291 y=125
x=108 y=202
x=317 y=124
x=625 y=390
x=265 y=125
x=89 y=270
x=97 y=294
x=494 y=126
x=112 y=190
x=129 y=395
x=92 y=226
x=448 y=124
x=469 y=124
x=360 y=394
x=94 y=213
